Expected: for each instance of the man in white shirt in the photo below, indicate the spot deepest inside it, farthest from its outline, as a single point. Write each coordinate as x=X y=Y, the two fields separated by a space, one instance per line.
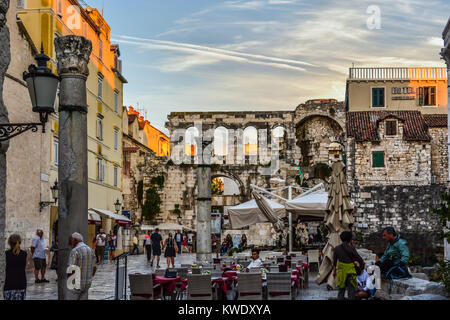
x=38 y=251
x=100 y=248
x=256 y=263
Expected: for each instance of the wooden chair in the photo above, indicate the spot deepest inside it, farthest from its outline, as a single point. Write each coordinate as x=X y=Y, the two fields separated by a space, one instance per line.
x=199 y=287
x=279 y=286
x=249 y=286
x=141 y=287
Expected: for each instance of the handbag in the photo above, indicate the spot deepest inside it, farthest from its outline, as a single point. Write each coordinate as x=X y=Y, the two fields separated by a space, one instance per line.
x=170 y=274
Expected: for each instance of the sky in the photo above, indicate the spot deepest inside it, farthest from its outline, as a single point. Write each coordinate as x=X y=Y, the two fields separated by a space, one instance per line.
x=208 y=55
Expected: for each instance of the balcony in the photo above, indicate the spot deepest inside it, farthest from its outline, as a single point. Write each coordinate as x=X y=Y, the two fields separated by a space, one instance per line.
x=412 y=73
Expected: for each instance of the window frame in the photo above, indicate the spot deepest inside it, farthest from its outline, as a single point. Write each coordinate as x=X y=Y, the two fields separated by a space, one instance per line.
x=116 y=176
x=373 y=159
x=384 y=96
x=100 y=127
x=116 y=102
x=100 y=87
x=386 y=128
x=55 y=151
x=116 y=139
x=422 y=94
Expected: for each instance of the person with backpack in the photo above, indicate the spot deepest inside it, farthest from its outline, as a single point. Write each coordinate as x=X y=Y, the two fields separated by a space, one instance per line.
x=347 y=265
x=394 y=262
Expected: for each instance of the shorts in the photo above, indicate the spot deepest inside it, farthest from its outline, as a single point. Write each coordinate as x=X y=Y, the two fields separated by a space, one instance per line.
x=190 y=244
x=100 y=251
x=156 y=251
x=39 y=263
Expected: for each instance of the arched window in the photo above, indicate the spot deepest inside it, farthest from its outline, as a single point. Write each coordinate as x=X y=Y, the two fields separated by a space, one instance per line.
x=221 y=141
x=250 y=141
x=190 y=143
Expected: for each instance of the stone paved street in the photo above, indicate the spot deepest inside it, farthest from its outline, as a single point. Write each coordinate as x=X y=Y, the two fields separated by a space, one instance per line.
x=104 y=281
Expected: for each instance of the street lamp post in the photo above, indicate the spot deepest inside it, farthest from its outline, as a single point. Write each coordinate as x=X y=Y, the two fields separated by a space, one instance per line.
x=54 y=190
x=117 y=206
x=42 y=86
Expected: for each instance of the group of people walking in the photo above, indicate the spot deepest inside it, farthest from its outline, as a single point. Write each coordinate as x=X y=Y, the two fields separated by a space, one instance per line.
x=154 y=244
x=15 y=285
x=105 y=243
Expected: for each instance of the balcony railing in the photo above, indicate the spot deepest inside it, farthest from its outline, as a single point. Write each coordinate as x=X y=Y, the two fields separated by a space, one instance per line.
x=413 y=73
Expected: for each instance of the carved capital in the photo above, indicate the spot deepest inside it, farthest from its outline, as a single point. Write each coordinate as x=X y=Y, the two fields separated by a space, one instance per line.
x=4 y=6
x=72 y=54
x=445 y=54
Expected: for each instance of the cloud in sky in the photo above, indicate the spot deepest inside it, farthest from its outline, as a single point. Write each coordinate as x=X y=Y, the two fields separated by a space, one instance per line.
x=263 y=54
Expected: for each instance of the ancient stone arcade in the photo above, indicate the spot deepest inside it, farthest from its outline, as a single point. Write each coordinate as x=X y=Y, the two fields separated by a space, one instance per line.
x=303 y=137
x=415 y=181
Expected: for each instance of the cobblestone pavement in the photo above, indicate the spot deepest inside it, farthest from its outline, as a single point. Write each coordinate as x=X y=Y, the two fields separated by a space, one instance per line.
x=104 y=281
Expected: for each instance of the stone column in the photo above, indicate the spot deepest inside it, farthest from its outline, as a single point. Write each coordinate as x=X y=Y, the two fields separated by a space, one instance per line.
x=204 y=213
x=5 y=59
x=72 y=55
x=445 y=53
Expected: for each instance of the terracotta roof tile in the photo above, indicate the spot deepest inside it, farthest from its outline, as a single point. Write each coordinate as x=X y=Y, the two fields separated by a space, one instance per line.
x=363 y=125
x=436 y=120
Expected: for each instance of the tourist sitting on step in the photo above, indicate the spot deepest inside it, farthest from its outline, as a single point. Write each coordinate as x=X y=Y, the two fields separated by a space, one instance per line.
x=394 y=262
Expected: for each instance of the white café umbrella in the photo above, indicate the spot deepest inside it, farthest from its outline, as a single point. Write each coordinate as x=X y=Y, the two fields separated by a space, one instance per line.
x=310 y=207
x=267 y=210
x=249 y=213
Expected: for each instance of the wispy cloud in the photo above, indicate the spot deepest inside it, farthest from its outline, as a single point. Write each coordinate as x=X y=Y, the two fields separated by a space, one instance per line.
x=214 y=54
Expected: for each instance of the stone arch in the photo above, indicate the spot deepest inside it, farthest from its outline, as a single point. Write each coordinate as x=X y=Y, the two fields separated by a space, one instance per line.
x=220 y=141
x=232 y=176
x=314 y=133
x=250 y=141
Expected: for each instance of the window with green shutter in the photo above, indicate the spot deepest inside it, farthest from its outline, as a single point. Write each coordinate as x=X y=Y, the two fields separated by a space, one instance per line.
x=377 y=97
x=378 y=159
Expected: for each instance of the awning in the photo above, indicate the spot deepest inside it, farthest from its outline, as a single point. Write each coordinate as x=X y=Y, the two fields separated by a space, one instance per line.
x=166 y=226
x=248 y=213
x=118 y=218
x=94 y=218
x=310 y=207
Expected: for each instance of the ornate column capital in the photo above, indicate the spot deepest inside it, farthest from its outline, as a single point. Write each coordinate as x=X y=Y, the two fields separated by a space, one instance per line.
x=4 y=6
x=72 y=54
x=445 y=54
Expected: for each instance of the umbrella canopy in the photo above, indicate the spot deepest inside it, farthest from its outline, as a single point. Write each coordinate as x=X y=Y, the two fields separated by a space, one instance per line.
x=338 y=218
x=248 y=213
x=310 y=207
x=267 y=210
x=166 y=226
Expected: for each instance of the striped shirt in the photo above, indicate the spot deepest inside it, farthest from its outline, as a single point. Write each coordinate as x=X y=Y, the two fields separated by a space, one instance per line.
x=83 y=257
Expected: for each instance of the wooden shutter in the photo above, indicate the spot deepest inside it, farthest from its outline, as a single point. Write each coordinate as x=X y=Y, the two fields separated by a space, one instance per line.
x=377 y=97
x=378 y=159
x=421 y=97
x=391 y=128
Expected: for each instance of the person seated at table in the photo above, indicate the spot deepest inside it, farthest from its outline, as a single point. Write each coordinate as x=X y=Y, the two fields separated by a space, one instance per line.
x=243 y=243
x=256 y=261
x=223 y=248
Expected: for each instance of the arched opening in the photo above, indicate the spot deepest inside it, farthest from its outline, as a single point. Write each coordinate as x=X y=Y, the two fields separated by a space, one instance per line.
x=278 y=135
x=314 y=136
x=190 y=145
x=221 y=141
x=250 y=140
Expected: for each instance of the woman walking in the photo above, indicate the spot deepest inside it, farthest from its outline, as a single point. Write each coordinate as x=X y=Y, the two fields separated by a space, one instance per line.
x=16 y=279
x=169 y=252
x=112 y=245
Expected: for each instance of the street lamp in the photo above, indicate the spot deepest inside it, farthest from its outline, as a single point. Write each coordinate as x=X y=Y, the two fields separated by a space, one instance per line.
x=42 y=86
x=54 y=190
x=118 y=206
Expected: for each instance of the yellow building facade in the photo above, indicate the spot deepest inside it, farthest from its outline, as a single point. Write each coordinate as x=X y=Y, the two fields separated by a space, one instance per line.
x=398 y=89
x=45 y=20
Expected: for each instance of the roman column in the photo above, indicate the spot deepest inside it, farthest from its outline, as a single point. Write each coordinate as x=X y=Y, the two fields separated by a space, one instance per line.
x=204 y=206
x=445 y=53
x=72 y=55
x=5 y=59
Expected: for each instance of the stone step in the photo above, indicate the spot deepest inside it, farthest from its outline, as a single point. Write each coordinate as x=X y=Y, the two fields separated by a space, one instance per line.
x=413 y=287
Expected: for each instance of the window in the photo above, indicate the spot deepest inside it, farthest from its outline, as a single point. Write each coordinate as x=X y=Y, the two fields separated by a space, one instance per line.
x=55 y=151
x=100 y=170
x=21 y=4
x=378 y=159
x=391 y=128
x=100 y=87
x=59 y=8
x=377 y=97
x=116 y=102
x=115 y=176
x=100 y=128
x=116 y=139
x=427 y=96
x=100 y=49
